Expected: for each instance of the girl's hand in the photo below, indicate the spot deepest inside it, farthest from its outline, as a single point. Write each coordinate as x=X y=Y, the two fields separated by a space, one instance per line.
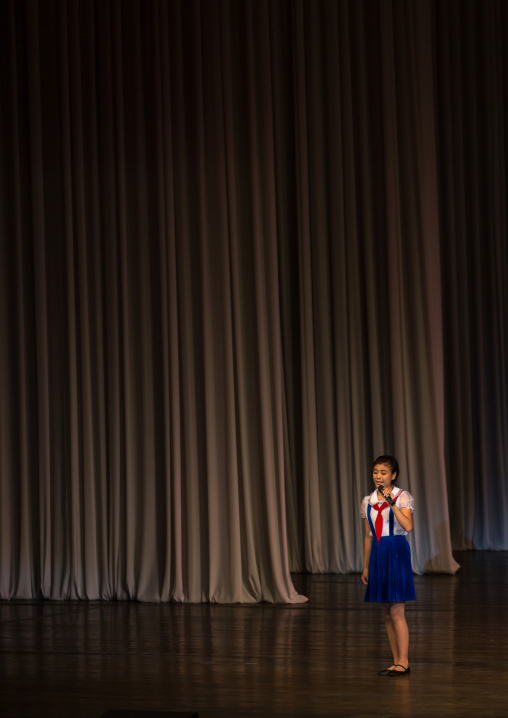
x=365 y=576
x=388 y=496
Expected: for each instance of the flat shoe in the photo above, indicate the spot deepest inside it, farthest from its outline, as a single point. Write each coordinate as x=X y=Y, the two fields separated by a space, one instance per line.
x=385 y=672
x=394 y=674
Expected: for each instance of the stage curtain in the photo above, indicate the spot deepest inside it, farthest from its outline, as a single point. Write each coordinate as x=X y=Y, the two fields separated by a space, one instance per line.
x=471 y=91
x=368 y=298
x=232 y=236
x=142 y=422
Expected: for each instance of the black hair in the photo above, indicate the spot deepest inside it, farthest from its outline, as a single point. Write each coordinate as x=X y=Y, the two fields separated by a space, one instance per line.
x=390 y=461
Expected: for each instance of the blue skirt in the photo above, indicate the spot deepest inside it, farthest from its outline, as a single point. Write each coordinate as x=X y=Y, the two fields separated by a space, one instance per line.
x=390 y=572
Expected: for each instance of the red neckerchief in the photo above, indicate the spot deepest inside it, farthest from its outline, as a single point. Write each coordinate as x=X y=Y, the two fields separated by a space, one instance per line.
x=379 y=519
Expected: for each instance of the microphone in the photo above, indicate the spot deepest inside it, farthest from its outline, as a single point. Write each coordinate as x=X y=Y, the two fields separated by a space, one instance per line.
x=387 y=498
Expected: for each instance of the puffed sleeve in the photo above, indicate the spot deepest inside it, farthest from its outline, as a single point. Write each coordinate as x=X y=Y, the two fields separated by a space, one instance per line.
x=406 y=501
x=363 y=510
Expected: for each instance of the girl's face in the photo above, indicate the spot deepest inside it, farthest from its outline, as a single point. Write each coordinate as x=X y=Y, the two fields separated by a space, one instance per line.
x=383 y=476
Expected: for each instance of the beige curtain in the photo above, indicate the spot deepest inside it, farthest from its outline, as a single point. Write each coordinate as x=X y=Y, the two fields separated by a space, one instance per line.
x=229 y=279
x=472 y=52
x=369 y=292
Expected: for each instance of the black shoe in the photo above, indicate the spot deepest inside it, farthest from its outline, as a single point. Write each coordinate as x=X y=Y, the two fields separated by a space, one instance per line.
x=386 y=672
x=394 y=674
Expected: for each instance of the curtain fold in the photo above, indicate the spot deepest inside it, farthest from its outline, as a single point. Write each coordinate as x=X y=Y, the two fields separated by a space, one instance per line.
x=245 y=248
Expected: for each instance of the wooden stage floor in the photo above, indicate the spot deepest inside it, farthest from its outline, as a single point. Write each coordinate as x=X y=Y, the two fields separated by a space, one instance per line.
x=80 y=660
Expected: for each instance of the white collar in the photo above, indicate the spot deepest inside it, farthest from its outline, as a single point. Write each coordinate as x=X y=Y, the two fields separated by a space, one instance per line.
x=374 y=499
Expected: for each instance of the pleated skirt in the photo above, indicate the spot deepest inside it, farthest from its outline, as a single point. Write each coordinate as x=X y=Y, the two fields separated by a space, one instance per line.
x=390 y=572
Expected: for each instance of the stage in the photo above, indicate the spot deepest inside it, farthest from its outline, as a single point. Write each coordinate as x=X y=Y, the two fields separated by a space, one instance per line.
x=81 y=660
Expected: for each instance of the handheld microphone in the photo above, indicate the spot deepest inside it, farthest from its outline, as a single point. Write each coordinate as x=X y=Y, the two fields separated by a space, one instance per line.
x=388 y=498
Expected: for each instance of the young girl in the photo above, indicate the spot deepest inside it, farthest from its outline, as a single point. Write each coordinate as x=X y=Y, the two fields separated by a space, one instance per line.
x=387 y=571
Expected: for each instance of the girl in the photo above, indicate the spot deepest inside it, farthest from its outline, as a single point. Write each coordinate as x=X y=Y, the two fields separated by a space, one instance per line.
x=387 y=569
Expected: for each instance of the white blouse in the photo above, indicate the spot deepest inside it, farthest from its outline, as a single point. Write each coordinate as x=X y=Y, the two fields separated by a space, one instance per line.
x=403 y=500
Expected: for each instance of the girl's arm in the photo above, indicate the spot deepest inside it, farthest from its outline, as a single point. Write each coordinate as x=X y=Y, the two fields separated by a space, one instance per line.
x=367 y=545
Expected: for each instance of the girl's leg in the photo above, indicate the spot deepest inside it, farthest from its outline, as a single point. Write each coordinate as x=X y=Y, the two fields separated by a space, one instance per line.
x=391 y=632
x=401 y=633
